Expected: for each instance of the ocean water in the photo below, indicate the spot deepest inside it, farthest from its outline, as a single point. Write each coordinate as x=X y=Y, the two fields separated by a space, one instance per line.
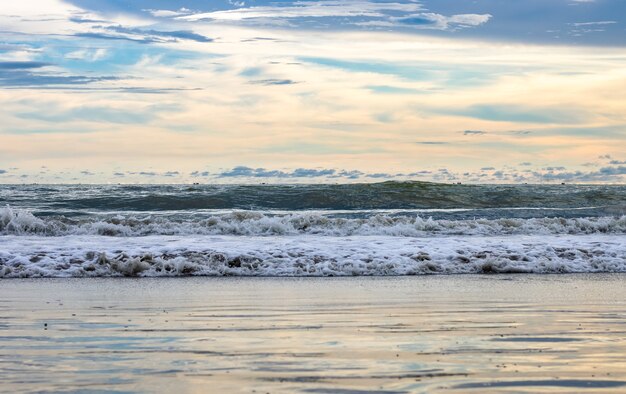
x=390 y=228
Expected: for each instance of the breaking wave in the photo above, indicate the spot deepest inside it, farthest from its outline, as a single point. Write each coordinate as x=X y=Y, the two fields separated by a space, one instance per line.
x=253 y=223
x=391 y=228
x=88 y=256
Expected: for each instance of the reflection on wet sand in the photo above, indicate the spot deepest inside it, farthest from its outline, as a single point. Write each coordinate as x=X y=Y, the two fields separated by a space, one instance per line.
x=324 y=335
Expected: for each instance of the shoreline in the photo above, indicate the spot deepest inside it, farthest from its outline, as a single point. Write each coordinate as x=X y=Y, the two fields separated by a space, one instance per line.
x=599 y=275
x=315 y=335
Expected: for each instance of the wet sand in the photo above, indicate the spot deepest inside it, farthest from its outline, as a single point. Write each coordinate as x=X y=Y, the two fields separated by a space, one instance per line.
x=508 y=333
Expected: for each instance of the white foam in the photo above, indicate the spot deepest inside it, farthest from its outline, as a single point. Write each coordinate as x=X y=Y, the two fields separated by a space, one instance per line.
x=18 y=221
x=306 y=255
x=254 y=223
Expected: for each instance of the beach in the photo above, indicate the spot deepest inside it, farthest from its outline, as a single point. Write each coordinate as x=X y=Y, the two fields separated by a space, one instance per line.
x=305 y=196
x=510 y=333
x=394 y=287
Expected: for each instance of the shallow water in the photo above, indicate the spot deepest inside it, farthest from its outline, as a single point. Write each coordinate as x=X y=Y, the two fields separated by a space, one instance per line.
x=317 y=335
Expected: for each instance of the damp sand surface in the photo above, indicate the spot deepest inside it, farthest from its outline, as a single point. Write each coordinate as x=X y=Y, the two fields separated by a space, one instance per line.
x=504 y=333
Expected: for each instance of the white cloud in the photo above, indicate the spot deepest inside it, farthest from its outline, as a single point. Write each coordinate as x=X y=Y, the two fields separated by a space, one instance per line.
x=90 y=55
x=36 y=8
x=469 y=19
x=311 y=123
x=376 y=14
x=599 y=23
x=308 y=9
x=429 y=20
x=169 y=13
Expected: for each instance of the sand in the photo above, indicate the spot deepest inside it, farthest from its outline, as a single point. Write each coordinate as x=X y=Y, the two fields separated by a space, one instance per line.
x=511 y=333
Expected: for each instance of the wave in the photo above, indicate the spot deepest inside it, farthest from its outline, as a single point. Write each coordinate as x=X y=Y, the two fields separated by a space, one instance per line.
x=386 y=195
x=253 y=223
x=88 y=256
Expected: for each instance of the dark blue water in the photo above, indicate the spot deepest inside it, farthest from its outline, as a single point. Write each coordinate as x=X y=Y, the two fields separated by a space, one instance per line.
x=454 y=201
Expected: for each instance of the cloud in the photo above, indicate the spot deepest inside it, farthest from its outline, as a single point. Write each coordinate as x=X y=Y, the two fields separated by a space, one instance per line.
x=409 y=72
x=243 y=171
x=22 y=74
x=605 y=174
x=81 y=19
x=152 y=35
x=91 y=114
x=23 y=65
x=22 y=78
x=141 y=35
x=520 y=113
x=616 y=162
x=168 y=13
x=3 y=171
x=329 y=119
x=88 y=54
x=308 y=9
x=301 y=173
x=151 y=174
x=511 y=21
x=441 y=22
x=251 y=72
x=621 y=170
x=353 y=174
x=253 y=39
x=310 y=173
x=271 y=82
x=599 y=23
x=379 y=175
x=613 y=174
x=384 y=117
x=104 y=36
x=385 y=89
x=360 y=13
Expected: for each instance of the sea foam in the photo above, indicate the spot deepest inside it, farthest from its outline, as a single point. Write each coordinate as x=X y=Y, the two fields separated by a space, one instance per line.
x=307 y=255
x=255 y=223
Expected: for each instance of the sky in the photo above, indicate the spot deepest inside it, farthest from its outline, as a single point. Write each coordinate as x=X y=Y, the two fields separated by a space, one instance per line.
x=243 y=91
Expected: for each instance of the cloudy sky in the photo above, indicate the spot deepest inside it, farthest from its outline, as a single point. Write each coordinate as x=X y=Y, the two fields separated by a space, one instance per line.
x=152 y=91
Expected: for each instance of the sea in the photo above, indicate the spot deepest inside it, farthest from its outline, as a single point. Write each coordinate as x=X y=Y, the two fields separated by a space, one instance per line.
x=380 y=229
